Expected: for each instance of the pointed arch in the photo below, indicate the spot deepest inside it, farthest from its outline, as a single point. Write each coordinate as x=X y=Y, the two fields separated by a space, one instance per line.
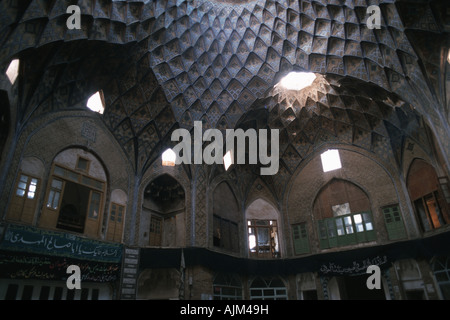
x=226 y=218
x=425 y=192
x=263 y=223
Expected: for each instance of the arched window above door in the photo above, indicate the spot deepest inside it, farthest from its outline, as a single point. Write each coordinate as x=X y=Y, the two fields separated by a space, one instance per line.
x=75 y=195
x=263 y=230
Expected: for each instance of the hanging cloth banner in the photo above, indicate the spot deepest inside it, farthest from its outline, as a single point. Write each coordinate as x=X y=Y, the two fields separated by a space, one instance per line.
x=23 y=265
x=346 y=262
x=29 y=239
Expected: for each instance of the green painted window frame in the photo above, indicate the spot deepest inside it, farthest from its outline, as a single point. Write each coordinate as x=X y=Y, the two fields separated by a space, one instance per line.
x=346 y=230
x=394 y=222
x=300 y=237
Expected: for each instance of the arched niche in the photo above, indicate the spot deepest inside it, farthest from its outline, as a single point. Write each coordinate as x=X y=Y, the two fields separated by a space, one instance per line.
x=343 y=213
x=354 y=287
x=159 y=284
x=163 y=213
x=263 y=229
x=76 y=193
x=225 y=218
x=339 y=197
x=428 y=199
x=5 y=121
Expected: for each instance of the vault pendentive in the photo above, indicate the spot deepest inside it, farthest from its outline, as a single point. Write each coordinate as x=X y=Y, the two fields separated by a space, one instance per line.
x=214 y=60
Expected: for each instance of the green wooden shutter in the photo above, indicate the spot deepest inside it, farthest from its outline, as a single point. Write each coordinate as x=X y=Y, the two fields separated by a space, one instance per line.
x=394 y=224
x=324 y=244
x=301 y=242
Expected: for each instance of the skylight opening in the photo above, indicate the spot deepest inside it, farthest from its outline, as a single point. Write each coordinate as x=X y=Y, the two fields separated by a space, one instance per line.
x=13 y=71
x=331 y=160
x=168 y=158
x=297 y=80
x=95 y=103
x=227 y=160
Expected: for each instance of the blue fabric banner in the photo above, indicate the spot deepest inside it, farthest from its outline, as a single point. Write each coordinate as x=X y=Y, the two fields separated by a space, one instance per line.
x=32 y=240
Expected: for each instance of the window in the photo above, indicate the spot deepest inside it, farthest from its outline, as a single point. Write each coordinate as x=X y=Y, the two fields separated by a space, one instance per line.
x=168 y=158
x=394 y=224
x=346 y=230
x=94 y=206
x=301 y=242
x=428 y=194
x=13 y=70
x=74 y=201
x=82 y=164
x=26 y=186
x=54 y=194
x=95 y=102
x=227 y=287
x=297 y=80
x=268 y=289
x=441 y=269
x=227 y=160
x=330 y=160
x=341 y=209
x=115 y=225
x=263 y=238
x=24 y=201
x=429 y=212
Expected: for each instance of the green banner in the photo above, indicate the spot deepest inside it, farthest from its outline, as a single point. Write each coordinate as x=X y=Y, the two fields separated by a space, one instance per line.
x=33 y=240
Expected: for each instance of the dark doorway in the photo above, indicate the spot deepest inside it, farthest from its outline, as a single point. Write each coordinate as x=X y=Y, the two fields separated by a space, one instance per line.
x=355 y=288
x=4 y=120
x=72 y=215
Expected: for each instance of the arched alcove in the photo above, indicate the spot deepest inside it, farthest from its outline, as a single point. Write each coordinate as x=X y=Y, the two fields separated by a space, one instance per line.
x=263 y=230
x=157 y=284
x=344 y=216
x=4 y=121
x=225 y=218
x=163 y=213
x=428 y=199
x=76 y=193
x=339 y=197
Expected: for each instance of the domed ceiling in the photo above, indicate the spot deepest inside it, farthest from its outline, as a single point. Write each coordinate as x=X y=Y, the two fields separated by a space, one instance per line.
x=165 y=64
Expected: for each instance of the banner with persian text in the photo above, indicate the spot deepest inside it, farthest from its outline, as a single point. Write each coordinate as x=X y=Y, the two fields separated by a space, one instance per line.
x=23 y=265
x=19 y=238
x=31 y=253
